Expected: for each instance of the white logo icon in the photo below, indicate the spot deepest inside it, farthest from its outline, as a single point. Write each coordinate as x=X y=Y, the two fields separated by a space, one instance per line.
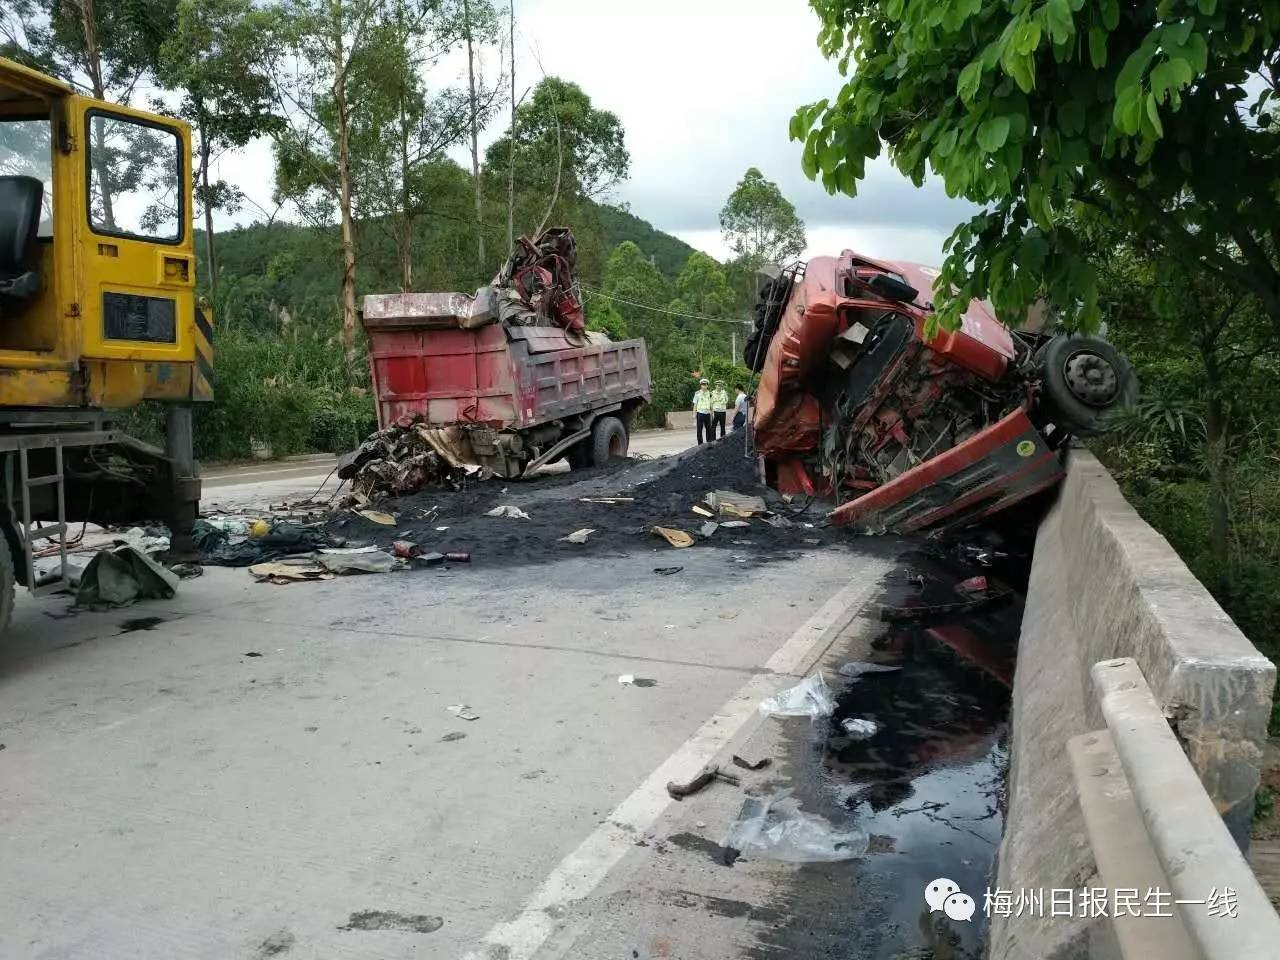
x=959 y=906
x=936 y=893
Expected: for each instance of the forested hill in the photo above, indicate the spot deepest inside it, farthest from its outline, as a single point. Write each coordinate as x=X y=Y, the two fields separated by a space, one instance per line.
x=669 y=253
x=296 y=266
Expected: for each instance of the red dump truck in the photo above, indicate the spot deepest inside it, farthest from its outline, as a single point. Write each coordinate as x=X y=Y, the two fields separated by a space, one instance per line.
x=513 y=394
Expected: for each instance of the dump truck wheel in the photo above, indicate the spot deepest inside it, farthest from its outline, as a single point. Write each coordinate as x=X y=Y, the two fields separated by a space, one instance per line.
x=608 y=441
x=1084 y=380
x=7 y=581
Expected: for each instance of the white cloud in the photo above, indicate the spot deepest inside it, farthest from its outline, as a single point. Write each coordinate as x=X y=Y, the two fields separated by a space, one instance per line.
x=705 y=89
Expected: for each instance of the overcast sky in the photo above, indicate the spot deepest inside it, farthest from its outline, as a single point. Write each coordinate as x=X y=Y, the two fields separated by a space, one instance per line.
x=705 y=89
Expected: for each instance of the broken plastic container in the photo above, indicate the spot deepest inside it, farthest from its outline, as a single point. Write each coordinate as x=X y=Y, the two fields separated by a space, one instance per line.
x=811 y=697
x=776 y=829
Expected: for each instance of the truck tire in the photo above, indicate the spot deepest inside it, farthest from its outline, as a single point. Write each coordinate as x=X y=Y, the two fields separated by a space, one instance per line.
x=608 y=441
x=7 y=581
x=1085 y=379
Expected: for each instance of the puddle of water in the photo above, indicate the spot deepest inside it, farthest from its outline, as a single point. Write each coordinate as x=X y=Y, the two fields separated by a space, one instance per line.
x=928 y=787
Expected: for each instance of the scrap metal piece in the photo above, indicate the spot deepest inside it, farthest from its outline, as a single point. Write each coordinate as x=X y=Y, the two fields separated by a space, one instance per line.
x=678 y=791
x=750 y=765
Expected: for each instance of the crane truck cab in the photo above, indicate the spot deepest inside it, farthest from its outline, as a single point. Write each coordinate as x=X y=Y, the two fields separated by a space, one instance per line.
x=98 y=312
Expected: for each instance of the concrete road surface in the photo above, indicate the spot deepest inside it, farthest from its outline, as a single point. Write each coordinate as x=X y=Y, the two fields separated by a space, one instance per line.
x=256 y=771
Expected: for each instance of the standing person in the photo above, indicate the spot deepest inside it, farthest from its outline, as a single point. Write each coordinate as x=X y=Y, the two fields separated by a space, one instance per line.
x=740 y=410
x=702 y=409
x=719 y=408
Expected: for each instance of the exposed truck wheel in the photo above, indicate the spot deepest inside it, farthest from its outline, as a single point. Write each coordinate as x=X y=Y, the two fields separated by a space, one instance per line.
x=1085 y=379
x=608 y=440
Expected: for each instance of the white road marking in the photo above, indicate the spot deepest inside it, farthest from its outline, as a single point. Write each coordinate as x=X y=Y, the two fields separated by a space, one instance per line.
x=582 y=870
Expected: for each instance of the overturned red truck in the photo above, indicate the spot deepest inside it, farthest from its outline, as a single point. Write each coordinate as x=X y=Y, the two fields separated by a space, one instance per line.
x=909 y=432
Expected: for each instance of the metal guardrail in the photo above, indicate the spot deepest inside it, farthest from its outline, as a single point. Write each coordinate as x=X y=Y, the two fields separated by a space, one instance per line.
x=1153 y=827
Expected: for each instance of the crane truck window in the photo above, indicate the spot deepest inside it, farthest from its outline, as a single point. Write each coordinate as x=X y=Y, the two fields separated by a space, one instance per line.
x=135 y=179
x=25 y=152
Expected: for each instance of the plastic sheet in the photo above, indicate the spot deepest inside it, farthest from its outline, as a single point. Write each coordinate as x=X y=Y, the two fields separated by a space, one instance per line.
x=811 y=697
x=776 y=829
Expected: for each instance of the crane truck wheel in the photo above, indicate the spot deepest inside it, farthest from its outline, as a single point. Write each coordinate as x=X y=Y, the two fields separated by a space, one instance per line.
x=608 y=440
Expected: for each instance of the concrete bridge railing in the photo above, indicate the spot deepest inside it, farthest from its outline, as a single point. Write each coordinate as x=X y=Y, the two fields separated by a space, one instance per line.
x=1105 y=586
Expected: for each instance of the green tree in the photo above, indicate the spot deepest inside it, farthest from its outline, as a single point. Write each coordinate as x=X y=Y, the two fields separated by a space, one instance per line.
x=106 y=46
x=567 y=149
x=760 y=224
x=631 y=279
x=1154 y=113
x=702 y=291
x=226 y=104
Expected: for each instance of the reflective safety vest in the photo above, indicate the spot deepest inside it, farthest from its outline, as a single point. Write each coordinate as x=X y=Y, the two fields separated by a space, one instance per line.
x=702 y=401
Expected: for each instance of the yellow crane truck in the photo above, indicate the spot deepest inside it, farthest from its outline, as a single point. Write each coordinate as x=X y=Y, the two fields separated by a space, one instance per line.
x=98 y=312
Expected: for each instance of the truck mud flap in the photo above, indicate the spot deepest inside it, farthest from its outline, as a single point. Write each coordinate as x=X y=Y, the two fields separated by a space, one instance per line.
x=1002 y=464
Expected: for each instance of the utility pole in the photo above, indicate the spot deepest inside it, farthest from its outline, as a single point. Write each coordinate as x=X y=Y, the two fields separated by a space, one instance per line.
x=511 y=153
x=475 y=144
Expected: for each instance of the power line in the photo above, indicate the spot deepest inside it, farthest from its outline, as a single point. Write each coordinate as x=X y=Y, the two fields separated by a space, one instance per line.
x=648 y=306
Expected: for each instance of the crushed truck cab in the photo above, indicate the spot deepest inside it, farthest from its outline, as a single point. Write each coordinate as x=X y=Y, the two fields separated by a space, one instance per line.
x=908 y=430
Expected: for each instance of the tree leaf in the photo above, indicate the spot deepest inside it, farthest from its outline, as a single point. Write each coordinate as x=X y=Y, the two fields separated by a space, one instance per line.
x=970 y=78
x=1097 y=47
x=1153 y=114
x=1057 y=20
x=993 y=133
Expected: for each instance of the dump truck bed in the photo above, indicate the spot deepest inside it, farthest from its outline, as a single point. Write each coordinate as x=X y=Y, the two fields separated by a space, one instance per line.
x=424 y=361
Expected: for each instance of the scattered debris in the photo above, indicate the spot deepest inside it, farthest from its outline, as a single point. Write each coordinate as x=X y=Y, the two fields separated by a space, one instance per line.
x=290 y=570
x=811 y=697
x=358 y=561
x=858 y=668
x=708 y=528
x=776 y=829
x=667 y=571
x=859 y=729
x=702 y=511
x=734 y=524
x=116 y=578
x=578 y=536
x=281 y=540
x=514 y=513
x=451 y=737
x=463 y=712
x=377 y=516
x=606 y=499
x=406 y=457
x=678 y=791
x=404 y=549
x=253 y=653
x=972 y=585
x=677 y=538
x=732 y=504
x=626 y=679
x=751 y=765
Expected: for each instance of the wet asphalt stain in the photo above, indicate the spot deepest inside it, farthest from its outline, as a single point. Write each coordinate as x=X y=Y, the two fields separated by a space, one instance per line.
x=390 y=920
x=696 y=844
x=450 y=737
x=720 y=906
x=644 y=682
x=928 y=787
x=279 y=942
x=141 y=623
